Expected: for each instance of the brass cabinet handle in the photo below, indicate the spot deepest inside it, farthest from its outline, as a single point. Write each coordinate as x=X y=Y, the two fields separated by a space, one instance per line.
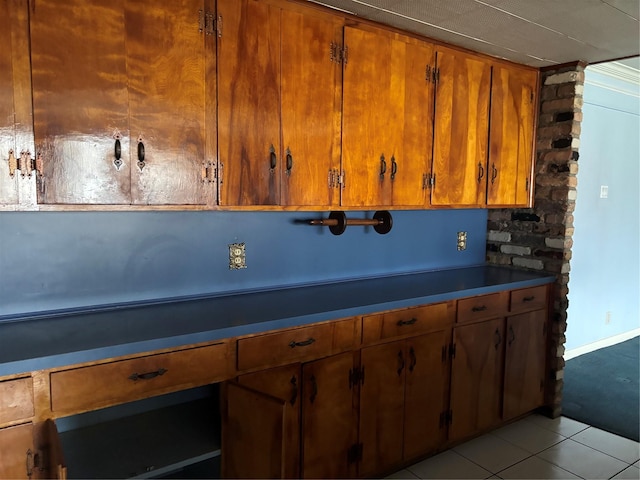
x=304 y=343
x=412 y=358
x=480 y=308
x=289 y=162
x=480 y=172
x=512 y=335
x=402 y=323
x=498 y=338
x=394 y=167
x=273 y=159
x=383 y=166
x=141 y=163
x=529 y=299
x=400 y=362
x=494 y=173
x=147 y=376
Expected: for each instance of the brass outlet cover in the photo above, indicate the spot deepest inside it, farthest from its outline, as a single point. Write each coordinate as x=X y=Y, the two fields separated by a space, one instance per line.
x=462 y=241
x=237 y=256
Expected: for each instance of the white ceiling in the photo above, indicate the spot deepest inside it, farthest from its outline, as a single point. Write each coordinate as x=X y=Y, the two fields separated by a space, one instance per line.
x=532 y=32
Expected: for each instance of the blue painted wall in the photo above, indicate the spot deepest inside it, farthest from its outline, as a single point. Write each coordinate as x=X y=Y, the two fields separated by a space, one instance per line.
x=605 y=264
x=59 y=260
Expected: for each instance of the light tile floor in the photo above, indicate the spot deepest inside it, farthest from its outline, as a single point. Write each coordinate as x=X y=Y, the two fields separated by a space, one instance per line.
x=535 y=447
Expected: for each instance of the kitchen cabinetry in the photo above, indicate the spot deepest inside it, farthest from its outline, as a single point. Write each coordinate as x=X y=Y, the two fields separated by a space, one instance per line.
x=16 y=428
x=461 y=126
x=121 y=97
x=387 y=119
x=511 y=136
x=17 y=183
x=279 y=101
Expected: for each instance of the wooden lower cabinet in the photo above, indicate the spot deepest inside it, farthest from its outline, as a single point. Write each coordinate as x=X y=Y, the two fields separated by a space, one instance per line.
x=402 y=398
x=525 y=363
x=276 y=425
x=16 y=451
x=476 y=378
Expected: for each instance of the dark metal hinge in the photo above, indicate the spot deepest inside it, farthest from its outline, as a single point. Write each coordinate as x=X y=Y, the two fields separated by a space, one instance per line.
x=428 y=74
x=436 y=76
x=337 y=53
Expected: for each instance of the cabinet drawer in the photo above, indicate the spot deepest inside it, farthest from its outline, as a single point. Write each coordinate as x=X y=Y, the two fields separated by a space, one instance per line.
x=97 y=386
x=16 y=400
x=483 y=307
x=296 y=344
x=410 y=321
x=527 y=299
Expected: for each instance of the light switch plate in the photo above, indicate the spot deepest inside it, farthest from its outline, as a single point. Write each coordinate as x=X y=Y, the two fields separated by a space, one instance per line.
x=462 y=241
x=237 y=256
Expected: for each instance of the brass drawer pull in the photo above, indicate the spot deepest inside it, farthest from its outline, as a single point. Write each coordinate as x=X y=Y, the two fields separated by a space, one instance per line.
x=479 y=309
x=305 y=343
x=530 y=298
x=147 y=376
x=402 y=323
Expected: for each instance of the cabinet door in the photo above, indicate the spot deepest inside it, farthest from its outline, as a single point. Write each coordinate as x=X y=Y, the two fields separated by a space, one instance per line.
x=426 y=390
x=80 y=100
x=461 y=129
x=311 y=108
x=329 y=426
x=524 y=363
x=412 y=166
x=368 y=118
x=476 y=377
x=16 y=126
x=513 y=101
x=387 y=115
x=253 y=432
x=15 y=445
x=382 y=407
x=47 y=443
x=283 y=383
x=249 y=102
x=166 y=65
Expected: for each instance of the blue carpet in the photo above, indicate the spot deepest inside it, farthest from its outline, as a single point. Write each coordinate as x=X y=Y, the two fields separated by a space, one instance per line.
x=601 y=388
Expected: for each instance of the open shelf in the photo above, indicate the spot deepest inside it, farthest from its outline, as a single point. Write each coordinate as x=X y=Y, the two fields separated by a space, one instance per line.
x=146 y=445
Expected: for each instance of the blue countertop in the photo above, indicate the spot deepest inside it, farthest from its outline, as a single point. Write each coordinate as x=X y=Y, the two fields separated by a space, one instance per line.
x=35 y=342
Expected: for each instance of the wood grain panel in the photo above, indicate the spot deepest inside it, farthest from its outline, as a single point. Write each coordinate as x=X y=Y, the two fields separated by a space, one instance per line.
x=14 y=444
x=382 y=407
x=283 y=383
x=311 y=107
x=329 y=418
x=410 y=321
x=483 y=307
x=8 y=185
x=253 y=428
x=166 y=75
x=513 y=101
x=414 y=151
x=426 y=391
x=367 y=114
x=97 y=386
x=524 y=363
x=476 y=377
x=296 y=344
x=80 y=99
x=461 y=129
x=16 y=400
x=249 y=102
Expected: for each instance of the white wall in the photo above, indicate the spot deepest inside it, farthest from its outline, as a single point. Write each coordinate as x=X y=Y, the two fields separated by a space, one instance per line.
x=604 y=286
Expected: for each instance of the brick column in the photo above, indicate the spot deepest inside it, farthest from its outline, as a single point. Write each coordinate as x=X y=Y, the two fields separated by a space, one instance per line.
x=541 y=238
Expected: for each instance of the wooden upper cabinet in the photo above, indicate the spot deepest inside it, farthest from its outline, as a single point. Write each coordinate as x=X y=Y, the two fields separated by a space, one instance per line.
x=513 y=109
x=167 y=66
x=114 y=85
x=387 y=118
x=278 y=105
x=461 y=129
